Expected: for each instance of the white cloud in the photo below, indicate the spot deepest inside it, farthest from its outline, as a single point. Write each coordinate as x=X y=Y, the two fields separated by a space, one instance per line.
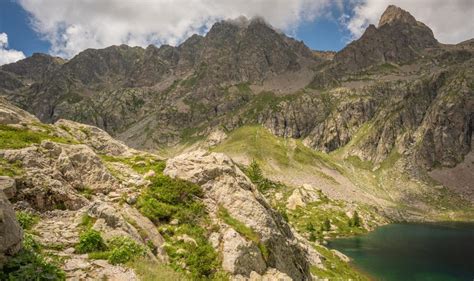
x=74 y=25
x=8 y=55
x=451 y=21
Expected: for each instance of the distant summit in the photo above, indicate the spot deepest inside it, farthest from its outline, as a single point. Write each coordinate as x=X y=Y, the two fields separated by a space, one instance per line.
x=398 y=39
x=394 y=14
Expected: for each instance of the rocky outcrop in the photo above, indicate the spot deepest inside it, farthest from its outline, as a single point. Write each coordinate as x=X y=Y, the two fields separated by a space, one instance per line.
x=302 y=196
x=95 y=138
x=11 y=234
x=55 y=174
x=225 y=186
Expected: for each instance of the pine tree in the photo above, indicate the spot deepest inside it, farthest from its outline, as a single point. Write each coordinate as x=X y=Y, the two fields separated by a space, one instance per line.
x=356 y=220
x=327 y=224
x=255 y=172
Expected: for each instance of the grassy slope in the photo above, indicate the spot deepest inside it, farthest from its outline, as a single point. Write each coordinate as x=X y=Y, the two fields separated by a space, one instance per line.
x=290 y=158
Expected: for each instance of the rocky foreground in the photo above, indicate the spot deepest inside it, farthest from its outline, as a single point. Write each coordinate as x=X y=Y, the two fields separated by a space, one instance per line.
x=68 y=179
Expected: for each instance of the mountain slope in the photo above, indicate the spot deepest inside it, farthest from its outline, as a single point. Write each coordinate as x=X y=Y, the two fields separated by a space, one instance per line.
x=394 y=93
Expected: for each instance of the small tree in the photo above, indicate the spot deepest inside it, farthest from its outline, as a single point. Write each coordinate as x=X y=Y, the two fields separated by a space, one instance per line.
x=255 y=172
x=327 y=224
x=356 y=220
x=312 y=237
x=310 y=227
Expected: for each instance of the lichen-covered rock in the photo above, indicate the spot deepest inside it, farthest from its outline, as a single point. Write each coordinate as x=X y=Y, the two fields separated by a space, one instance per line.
x=225 y=186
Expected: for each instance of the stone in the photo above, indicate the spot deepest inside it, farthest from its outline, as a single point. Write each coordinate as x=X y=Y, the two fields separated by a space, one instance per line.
x=302 y=196
x=11 y=234
x=7 y=186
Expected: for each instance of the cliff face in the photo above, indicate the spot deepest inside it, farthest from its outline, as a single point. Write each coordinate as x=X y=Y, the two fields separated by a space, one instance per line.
x=399 y=38
x=396 y=82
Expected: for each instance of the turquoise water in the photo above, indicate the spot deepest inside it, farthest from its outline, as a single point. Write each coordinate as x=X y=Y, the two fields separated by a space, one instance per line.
x=413 y=252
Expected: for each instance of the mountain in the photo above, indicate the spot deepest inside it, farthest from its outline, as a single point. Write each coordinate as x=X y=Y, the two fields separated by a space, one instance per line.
x=399 y=38
x=234 y=155
x=395 y=90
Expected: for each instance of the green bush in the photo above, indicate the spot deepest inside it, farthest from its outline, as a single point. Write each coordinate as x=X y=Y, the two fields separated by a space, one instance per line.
x=202 y=261
x=327 y=224
x=90 y=241
x=168 y=198
x=27 y=220
x=29 y=264
x=124 y=249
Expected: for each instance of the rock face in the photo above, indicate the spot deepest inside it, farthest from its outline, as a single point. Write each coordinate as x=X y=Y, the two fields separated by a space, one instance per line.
x=169 y=95
x=11 y=234
x=55 y=173
x=398 y=38
x=225 y=186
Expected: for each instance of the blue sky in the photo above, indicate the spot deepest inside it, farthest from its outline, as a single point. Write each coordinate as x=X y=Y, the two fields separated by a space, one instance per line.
x=321 y=34
x=15 y=22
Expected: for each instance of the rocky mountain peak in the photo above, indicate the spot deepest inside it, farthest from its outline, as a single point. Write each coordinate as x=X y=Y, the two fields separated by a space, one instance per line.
x=395 y=14
x=398 y=38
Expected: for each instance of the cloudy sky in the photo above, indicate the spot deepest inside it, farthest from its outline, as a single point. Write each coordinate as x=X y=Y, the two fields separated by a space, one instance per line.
x=66 y=27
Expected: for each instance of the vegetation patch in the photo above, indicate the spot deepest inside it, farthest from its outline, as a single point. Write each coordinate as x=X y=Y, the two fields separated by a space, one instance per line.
x=335 y=268
x=166 y=199
x=151 y=271
x=10 y=169
x=90 y=241
x=30 y=263
x=140 y=163
x=15 y=138
x=174 y=205
x=26 y=219
x=254 y=172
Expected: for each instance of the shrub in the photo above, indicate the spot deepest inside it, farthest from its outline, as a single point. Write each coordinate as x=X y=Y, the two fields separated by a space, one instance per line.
x=124 y=249
x=90 y=241
x=29 y=264
x=27 y=220
x=169 y=198
x=202 y=261
x=327 y=224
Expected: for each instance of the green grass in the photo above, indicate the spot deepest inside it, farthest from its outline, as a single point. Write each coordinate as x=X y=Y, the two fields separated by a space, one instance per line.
x=27 y=220
x=151 y=271
x=87 y=222
x=15 y=138
x=10 y=169
x=118 y=250
x=335 y=268
x=140 y=163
